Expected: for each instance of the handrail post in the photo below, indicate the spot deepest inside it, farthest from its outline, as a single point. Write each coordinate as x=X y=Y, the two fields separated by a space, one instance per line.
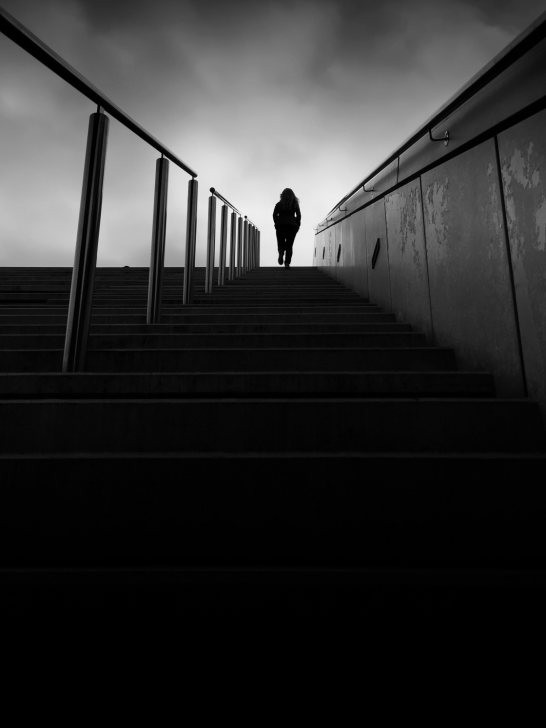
x=157 y=256
x=211 y=242
x=191 y=230
x=85 y=258
x=223 y=244
x=245 y=245
x=232 y=243
x=258 y=250
x=239 y=247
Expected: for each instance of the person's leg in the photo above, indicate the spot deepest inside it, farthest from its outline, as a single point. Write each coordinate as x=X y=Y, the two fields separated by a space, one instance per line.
x=280 y=243
x=289 y=243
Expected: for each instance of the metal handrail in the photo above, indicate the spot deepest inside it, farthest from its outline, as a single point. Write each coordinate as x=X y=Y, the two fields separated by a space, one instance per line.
x=516 y=49
x=17 y=32
x=221 y=197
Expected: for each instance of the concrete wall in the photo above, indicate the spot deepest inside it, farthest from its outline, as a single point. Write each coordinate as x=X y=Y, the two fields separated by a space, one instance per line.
x=410 y=294
x=463 y=255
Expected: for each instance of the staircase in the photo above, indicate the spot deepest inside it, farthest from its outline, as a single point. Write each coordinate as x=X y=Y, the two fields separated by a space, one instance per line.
x=280 y=447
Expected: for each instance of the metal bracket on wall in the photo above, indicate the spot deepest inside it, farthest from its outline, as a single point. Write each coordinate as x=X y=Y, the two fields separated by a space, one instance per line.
x=344 y=209
x=338 y=253
x=323 y=251
x=444 y=139
x=376 y=252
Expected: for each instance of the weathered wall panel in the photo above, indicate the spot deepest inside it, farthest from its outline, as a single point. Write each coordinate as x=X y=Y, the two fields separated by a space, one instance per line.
x=324 y=250
x=470 y=289
x=522 y=152
x=407 y=257
x=331 y=233
x=337 y=246
x=351 y=269
x=378 y=277
x=361 y=264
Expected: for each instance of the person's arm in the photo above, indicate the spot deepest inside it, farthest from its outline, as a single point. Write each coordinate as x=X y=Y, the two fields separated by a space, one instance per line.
x=298 y=215
x=275 y=214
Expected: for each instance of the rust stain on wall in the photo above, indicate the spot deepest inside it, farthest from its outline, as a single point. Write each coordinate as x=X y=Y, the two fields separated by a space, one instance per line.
x=521 y=174
x=437 y=209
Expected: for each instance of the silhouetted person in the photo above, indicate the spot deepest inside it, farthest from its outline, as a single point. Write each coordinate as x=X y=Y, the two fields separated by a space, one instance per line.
x=287 y=219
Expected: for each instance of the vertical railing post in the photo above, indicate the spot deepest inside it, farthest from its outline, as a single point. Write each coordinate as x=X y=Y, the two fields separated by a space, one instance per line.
x=191 y=237
x=223 y=245
x=245 y=245
x=239 y=247
x=211 y=242
x=85 y=258
x=249 y=247
x=253 y=247
x=258 y=250
x=157 y=257
x=232 y=243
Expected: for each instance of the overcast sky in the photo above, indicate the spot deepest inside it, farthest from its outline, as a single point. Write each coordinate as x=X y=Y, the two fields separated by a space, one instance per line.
x=254 y=95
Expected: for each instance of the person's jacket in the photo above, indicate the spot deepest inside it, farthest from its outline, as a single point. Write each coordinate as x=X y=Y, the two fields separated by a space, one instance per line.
x=292 y=216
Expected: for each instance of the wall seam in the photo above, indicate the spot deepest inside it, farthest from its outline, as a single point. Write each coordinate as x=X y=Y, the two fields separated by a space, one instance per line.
x=510 y=267
x=388 y=257
x=432 y=330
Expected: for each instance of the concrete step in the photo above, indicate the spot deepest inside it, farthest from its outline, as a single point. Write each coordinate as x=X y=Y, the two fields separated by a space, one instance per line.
x=316 y=510
x=382 y=339
x=249 y=384
x=293 y=306
x=288 y=327
x=287 y=425
x=236 y=360
x=125 y=307
x=303 y=292
x=131 y=316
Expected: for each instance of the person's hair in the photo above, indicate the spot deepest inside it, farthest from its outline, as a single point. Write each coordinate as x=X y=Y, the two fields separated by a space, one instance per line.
x=289 y=201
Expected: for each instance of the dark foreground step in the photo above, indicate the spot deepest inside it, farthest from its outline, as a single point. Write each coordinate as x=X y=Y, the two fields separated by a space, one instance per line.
x=374 y=511
x=388 y=384
x=236 y=360
x=270 y=425
x=206 y=614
